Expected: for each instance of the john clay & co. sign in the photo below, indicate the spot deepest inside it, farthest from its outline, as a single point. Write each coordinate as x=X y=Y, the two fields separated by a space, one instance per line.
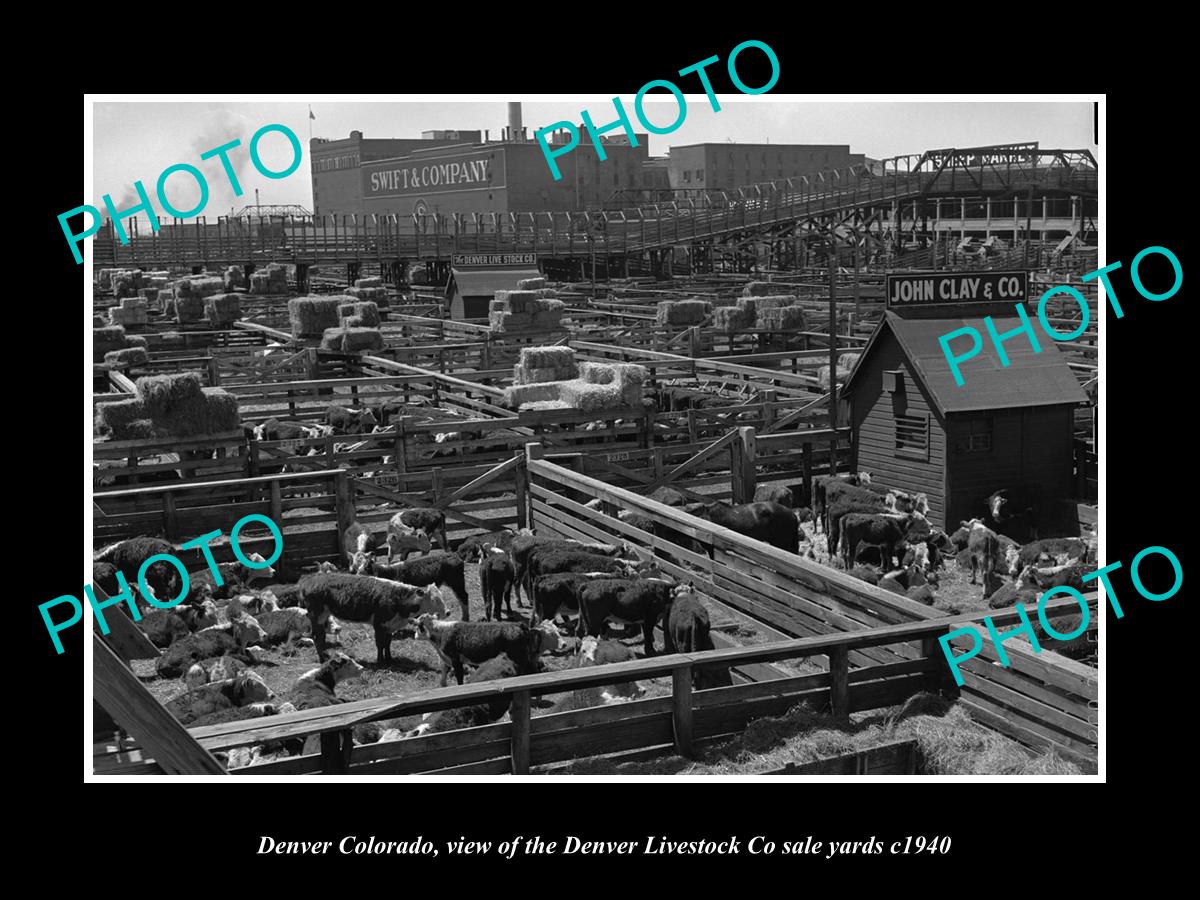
x=396 y=178
x=935 y=288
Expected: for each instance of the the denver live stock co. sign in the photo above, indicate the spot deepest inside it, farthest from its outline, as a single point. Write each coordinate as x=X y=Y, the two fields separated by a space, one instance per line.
x=934 y=288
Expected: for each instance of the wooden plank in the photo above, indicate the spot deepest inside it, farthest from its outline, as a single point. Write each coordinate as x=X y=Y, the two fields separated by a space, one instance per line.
x=681 y=708
x=159 y=733
x=519 y=714
x=839 y=683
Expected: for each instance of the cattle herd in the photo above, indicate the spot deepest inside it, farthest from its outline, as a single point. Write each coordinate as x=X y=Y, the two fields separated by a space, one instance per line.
x=568 y=595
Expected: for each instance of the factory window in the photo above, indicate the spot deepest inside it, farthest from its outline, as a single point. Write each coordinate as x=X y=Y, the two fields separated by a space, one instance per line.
x=976 y=437
x=699 y=174
x=687 y=175
x=912 y=436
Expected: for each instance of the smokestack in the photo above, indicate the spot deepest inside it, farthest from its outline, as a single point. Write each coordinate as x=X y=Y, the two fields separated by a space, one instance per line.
x=515 y=131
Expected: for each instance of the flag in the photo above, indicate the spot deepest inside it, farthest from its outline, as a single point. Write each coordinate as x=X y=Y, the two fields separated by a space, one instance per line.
x=310 y=113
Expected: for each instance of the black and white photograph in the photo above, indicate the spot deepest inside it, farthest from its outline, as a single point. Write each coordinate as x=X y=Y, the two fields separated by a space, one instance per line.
x=692 y=434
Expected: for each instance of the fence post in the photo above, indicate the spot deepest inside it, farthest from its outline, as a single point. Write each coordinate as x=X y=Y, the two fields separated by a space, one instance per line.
x=768 y=409
x=806 y=463
x=532 y=452
x=343 y=495
x=839 y=682
x=276 y=504
x=681 y=708
x=169 y=520
x=335 y=752
x=743 y=465
x=522 y=493
x=520 y=733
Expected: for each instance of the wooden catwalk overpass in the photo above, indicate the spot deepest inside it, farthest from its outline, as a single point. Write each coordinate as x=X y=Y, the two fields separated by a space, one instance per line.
x=863 y=197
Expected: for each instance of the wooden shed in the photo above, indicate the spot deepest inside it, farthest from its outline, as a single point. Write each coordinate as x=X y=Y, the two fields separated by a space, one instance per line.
x=915 y=429
x=469 y=291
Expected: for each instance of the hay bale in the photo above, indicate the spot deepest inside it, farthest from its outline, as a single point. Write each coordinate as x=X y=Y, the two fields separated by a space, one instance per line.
x=189 y=308
x=733 y=318
x=109 y=334
x=847 y=360
x=199 y=286
x=782 y=318
x=135 y=340
x=98 y=322
x=223 y=309
x=165 y=396
x=377 y=295
x=128 y=356
x=758 y=288
x=115 y=417
x=311 y=316
x=823 y=376
x=366 y=312
x=515 y=396
x=373 y=282
x=358 y=340
x=352 y=340
x=531 y=284
x=683 y=312
x=220 y=412
x=548 y=358
x=149 y=294
x=234 y=278
x=515 y=301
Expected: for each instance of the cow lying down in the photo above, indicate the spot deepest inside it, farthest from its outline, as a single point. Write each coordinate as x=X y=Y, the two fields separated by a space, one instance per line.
x=243 y=690
x=233 y=637
x=470 y=716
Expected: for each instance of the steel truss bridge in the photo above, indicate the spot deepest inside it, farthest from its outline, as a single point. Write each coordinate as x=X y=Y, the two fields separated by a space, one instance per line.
x=870 y=205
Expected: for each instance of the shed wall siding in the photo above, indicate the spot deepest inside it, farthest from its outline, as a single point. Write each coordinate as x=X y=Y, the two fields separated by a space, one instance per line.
x=874 y=424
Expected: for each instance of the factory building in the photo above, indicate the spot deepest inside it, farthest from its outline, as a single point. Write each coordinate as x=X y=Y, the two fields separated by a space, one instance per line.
x=336 y=164
x=696 y=168
x=464 y=172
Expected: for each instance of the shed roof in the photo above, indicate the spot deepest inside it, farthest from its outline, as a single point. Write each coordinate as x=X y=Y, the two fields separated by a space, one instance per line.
x=1030 y=379
x=485 y=282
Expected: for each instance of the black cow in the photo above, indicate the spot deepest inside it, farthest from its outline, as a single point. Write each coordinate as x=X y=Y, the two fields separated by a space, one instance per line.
x=362 y=598
x=820 y=491
x=496 y=582
x=886 y=532
x=440 y=568
x=350 y=421
x=643 y=601
x=767 y=522
x=1013 y=512
x=843 y=506
x=477 y=642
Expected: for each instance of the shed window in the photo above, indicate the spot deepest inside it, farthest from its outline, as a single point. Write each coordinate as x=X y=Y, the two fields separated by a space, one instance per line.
x=912 y=436
x=977 y=436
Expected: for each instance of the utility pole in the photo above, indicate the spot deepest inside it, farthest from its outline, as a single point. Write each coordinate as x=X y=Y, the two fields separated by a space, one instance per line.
x=832 y=339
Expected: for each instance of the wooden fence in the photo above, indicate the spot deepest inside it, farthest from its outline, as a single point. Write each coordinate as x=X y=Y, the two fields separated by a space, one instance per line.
x=676 y=723
x=1042 y=701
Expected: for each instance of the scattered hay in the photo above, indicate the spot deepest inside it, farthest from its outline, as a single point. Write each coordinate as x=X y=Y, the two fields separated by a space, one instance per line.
x=311 y=316
x=848 y=360
x=683 y=312
x=223 y=309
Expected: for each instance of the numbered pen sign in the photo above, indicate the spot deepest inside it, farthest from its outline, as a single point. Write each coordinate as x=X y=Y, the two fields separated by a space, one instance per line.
x=941 y=288
x=617 y=457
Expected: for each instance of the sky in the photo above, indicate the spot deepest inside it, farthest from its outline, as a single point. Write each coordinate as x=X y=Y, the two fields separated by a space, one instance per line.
x=138 y=140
